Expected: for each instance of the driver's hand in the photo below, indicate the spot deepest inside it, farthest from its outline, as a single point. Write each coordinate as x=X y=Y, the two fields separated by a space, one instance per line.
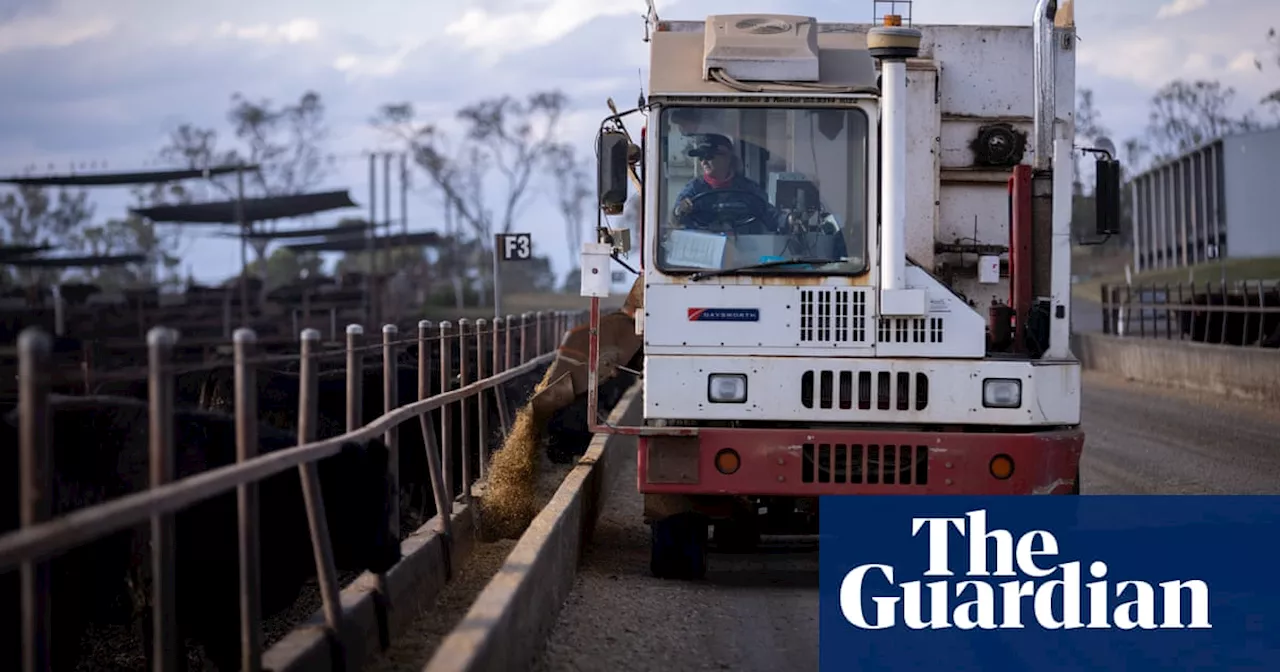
x=684 y=207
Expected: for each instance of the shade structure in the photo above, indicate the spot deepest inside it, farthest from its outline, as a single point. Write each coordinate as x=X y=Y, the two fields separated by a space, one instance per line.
x=8 y=251
x=90 y=261
x=255 y=209
x=324 y=232
x=361 y=243
x=124 y=179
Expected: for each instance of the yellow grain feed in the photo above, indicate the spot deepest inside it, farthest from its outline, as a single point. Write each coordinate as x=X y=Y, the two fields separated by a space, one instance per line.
x=510 y=499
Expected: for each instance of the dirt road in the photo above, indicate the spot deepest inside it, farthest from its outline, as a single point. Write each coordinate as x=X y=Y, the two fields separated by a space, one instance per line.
x=759 y=611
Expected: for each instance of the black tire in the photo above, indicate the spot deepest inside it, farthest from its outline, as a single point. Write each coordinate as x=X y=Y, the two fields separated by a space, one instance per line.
x=678 y=547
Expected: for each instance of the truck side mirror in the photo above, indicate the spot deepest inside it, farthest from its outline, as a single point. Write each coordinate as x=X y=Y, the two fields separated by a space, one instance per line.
x=614 y=147
x=1106 y=195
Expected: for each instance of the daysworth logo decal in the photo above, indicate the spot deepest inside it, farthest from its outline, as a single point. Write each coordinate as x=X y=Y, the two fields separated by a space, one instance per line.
x=1009 y=580
x=724 y=314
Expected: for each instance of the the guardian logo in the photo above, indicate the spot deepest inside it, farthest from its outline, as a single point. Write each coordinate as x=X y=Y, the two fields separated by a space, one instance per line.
x=1033 y=556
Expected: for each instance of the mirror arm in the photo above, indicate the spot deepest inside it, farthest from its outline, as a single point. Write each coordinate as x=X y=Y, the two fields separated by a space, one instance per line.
x=1088 y=243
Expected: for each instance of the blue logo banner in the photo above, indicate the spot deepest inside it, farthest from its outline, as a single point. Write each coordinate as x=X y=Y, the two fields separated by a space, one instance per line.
x=1042 y=584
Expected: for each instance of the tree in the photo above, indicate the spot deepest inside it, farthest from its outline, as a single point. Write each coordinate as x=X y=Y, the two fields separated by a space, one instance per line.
x=515 y=138
x=32 y=217
x=286 y=141
x=284 y=267
x=1185 y=115
x=1271 y=100
x=1089 y=129
x=572 y=197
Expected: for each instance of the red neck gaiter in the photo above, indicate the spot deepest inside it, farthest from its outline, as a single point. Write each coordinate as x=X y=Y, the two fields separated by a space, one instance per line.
x=718 y=184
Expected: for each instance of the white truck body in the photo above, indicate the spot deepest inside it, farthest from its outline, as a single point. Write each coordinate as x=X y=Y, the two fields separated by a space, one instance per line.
x=933 y=365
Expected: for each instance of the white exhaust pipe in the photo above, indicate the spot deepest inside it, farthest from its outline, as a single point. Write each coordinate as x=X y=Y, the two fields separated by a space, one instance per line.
x=892 y=45
x=1046 y=90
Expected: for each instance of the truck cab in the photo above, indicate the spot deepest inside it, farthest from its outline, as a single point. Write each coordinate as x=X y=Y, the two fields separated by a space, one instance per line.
x=855 y=250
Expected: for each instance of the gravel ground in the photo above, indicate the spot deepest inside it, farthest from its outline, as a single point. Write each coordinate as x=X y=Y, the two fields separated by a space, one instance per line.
x=759 y=611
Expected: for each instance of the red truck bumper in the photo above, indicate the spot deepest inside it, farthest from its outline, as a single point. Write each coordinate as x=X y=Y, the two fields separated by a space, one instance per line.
x=809 y=463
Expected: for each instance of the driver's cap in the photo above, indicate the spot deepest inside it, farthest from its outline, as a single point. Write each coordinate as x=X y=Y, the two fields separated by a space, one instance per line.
x=708 y=144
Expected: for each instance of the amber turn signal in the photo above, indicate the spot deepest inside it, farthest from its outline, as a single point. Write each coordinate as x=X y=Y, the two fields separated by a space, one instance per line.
x=727 y=461
x=1002 y=466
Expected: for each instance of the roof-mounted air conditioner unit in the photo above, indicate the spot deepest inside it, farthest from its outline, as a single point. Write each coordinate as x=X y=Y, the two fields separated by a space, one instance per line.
x=762 y=47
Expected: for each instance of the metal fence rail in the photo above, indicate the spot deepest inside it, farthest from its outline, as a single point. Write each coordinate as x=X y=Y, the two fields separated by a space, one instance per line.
x=41 y=537
x=1243 y=314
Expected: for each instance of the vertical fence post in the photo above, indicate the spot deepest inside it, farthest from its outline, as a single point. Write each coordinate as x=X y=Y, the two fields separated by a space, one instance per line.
x=501 y=362
x=482 y=407
x=540 y=331
x=164 y=615
x=1262 y=315
x=1106 y=309
x=446 y=424
x=391 y=401
x=246 y=393
x=355 y=377
x=511 y=331
x=425 y=327
x=35 y=468
x=464 y=417
x=525 y=345
x=321 y=545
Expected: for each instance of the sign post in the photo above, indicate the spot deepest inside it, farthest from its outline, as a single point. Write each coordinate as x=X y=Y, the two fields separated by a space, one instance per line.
x=508 y=247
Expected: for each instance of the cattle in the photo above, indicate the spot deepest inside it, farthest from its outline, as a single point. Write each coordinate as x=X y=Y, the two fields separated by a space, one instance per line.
x=1233 y=328
x=278 y=405
x=100 y=452
x=567 y=433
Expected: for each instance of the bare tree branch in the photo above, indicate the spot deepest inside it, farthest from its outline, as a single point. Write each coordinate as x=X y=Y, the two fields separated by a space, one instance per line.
x=572 y=196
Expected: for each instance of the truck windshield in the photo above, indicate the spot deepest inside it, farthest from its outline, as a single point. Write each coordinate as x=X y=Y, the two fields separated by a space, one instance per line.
x=742 y=186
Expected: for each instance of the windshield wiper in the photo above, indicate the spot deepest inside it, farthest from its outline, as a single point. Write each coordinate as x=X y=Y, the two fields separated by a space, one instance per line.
x=703 y=275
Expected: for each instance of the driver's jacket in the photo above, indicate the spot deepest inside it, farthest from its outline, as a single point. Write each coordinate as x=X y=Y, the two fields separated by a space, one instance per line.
x=729 y=204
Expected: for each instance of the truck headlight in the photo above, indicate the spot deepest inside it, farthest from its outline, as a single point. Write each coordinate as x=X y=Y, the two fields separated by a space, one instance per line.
x=727 y=388
x=1002 y=393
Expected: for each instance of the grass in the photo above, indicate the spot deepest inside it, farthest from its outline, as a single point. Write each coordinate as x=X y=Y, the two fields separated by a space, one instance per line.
x=1233 y=270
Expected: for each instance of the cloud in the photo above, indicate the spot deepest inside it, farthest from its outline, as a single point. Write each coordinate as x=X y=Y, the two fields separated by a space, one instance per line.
x=1180 y=7
x=98 y=84
x=511 y=27
x=290 y=32
x=34 y=31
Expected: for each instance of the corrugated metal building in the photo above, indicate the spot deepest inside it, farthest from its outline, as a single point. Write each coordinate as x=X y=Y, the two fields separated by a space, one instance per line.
x=1221 y=199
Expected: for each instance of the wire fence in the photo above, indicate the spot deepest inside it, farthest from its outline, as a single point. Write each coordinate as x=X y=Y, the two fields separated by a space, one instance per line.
x=459 y=370
x=1242 y=314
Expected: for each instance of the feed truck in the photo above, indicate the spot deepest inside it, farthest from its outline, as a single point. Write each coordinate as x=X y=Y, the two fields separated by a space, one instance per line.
x=854 y=247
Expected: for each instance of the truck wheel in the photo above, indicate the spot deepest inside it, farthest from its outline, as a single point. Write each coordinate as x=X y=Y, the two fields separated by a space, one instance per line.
x=678 y=549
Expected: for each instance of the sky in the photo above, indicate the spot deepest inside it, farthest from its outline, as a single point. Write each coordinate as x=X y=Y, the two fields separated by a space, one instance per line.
x=93 y=81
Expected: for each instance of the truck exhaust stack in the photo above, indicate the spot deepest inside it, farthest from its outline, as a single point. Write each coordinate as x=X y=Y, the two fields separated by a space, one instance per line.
x=892 y=44
x=1046 y=89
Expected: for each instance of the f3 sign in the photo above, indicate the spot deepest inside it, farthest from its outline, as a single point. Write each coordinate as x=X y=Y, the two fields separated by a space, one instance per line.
x=515 y=246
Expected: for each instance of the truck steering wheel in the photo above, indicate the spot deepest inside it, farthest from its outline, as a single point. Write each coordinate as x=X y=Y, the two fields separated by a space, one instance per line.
x=704 y=219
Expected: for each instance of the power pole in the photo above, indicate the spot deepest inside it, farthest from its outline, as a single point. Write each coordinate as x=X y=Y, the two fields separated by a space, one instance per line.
x=369 y=236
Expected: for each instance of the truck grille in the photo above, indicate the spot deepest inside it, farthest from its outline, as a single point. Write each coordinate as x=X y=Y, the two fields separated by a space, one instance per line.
x=858 y=464
x=892 y=392
x=834 y=315
x=910 y=330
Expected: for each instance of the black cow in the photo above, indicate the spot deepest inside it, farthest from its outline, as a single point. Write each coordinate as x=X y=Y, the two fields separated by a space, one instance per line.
x=278 y=405
x=100 y=453
x=1233 y=328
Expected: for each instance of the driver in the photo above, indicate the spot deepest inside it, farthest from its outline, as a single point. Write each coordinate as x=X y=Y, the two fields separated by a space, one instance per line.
x=722 y=189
